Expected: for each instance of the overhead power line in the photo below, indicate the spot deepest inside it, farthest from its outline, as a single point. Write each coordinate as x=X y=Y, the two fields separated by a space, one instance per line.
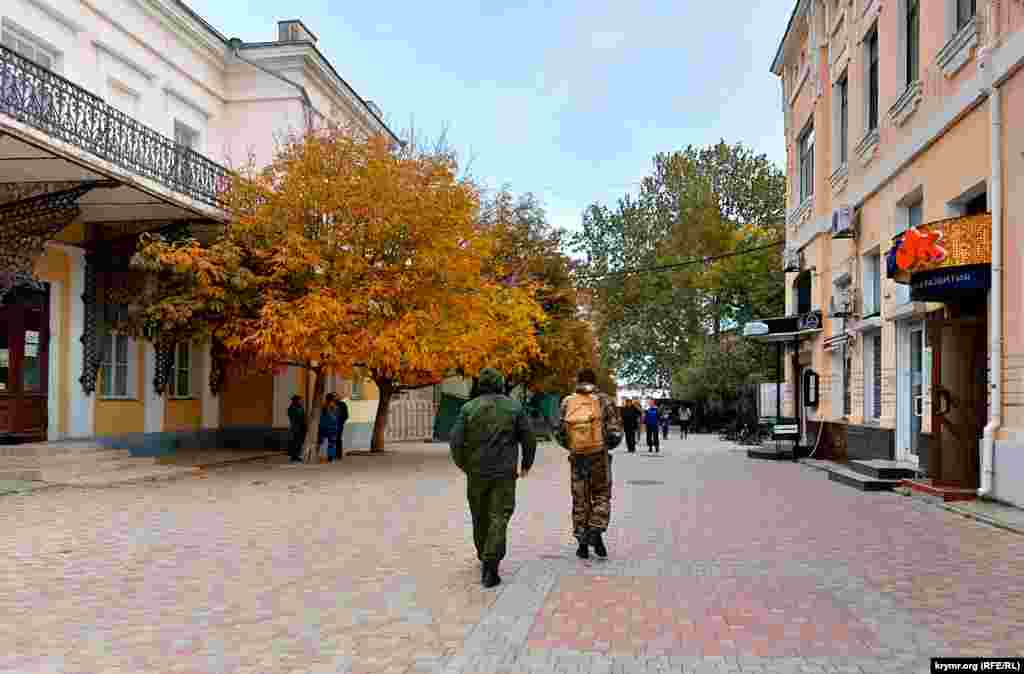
x=706 y=260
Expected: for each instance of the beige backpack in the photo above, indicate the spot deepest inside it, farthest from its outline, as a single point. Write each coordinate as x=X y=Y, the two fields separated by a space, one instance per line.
x=584 y=424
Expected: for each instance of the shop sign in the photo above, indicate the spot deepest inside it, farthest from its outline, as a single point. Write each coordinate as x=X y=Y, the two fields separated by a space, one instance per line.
x=811 y=321
x=945 y=244
x=941 y=284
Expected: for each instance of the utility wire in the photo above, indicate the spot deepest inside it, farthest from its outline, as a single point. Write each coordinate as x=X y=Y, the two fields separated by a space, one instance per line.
x=706 y=260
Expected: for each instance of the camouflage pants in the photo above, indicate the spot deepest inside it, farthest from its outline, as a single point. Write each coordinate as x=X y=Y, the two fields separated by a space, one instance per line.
x=591 y=493
x=491 y=503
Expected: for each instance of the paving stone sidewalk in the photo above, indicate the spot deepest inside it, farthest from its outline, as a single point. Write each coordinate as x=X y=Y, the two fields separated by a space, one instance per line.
x=718 y=563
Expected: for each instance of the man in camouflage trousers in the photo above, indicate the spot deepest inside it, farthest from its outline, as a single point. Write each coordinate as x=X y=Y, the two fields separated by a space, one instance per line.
x=485 y=446
x=591 y=475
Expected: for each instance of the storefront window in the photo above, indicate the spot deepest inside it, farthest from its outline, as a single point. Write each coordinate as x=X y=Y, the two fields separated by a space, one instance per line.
x=30 y=364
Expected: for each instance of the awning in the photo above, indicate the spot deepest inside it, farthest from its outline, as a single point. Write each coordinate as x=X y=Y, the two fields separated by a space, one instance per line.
x=785 y=328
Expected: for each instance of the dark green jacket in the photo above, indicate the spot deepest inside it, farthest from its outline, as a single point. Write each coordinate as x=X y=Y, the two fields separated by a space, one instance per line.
x=297 y=418
x=488 y=432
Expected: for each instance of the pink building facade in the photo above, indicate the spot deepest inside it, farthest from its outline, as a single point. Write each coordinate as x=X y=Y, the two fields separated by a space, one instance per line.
x=899 y=121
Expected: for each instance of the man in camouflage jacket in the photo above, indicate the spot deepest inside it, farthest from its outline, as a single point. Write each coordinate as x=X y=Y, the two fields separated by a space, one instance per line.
x=591 y=475
x=485 y=446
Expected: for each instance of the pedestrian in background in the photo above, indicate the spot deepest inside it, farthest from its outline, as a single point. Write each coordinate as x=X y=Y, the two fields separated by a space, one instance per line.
x=297 y=431
x=665 y=417
x=651 y=424
x=684 y=422
x=328 y=431
x=631 y=423
x=485 y=443
x=590 y=427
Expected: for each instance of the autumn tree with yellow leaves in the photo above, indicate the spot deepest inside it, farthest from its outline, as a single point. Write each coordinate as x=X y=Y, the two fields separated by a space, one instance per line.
x=530 y=250
x=347 y=253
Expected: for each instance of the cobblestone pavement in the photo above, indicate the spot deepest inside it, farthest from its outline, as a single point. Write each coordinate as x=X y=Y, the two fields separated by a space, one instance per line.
x=718 y=563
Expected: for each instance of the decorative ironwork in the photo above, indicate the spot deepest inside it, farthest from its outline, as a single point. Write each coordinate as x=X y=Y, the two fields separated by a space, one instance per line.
x=29 y=222
x=11 y=280
x=48 y=102
x=164 y=368
x=90 y=336
x=17 y=191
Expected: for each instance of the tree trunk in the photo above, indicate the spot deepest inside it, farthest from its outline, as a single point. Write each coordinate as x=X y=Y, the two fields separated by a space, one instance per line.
x=311 y=451
x=387 y=388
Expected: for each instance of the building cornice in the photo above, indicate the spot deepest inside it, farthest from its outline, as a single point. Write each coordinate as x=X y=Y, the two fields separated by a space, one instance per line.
x=200 y=35
x=307 y=56
x=60 y=17
x=799 y=11
x=217 y=62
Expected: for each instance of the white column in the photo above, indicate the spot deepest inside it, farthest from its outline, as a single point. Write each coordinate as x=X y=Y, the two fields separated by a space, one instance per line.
x=54 y=360
x=210 y=402
x=80 y=405
x=155 y=403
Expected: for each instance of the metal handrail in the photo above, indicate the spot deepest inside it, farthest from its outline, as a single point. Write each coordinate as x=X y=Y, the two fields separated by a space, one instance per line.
x=50 y=103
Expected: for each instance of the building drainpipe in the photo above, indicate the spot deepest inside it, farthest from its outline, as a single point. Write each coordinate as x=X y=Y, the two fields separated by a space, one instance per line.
x=995 y=297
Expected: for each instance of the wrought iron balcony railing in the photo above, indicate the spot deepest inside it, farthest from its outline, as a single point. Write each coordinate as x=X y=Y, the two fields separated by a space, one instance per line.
x=46 y=101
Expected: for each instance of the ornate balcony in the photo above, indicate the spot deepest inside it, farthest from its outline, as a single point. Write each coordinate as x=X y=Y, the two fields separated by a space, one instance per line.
x=44 y=100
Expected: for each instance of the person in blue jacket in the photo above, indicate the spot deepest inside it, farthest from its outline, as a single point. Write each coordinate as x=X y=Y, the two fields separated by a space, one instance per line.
x=329 y=427
x=652 y=422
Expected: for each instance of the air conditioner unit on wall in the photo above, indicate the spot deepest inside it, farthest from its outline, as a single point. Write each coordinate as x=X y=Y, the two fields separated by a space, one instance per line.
x=842 y=223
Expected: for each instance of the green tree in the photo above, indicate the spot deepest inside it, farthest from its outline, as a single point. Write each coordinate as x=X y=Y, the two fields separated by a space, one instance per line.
x=697 y=202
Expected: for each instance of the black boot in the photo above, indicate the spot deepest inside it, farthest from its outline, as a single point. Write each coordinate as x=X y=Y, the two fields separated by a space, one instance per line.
x=490 y=575
x=598 y=543
x=583 y=552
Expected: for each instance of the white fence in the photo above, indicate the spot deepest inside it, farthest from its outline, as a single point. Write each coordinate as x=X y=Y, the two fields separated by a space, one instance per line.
x=411 y=420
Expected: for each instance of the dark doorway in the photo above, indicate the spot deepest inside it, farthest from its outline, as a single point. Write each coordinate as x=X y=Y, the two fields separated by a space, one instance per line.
x=958 y=400
x=24 y=363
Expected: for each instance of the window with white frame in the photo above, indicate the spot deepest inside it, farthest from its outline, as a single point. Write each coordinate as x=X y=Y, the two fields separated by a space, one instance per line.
x=910 y=217
x=872 y=285
x=912 y=27
x=28 y=46
x=806 y=159
x=181 y=382
x=185 y=135
x=117 y=351
x=965 y=11
x=841 y=98
x=871 y=47
x=873 y=376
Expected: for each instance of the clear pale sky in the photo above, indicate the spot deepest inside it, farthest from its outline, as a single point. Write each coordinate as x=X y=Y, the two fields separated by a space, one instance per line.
x=569 y=100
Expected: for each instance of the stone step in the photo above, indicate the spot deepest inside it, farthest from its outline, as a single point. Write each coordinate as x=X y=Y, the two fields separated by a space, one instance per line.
x=884 y=470
x=80 y=469
x=149 y=473
x=42 y=449
x=20 y=474
x=770 y=453
x=104 y=456
x=857 y=480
